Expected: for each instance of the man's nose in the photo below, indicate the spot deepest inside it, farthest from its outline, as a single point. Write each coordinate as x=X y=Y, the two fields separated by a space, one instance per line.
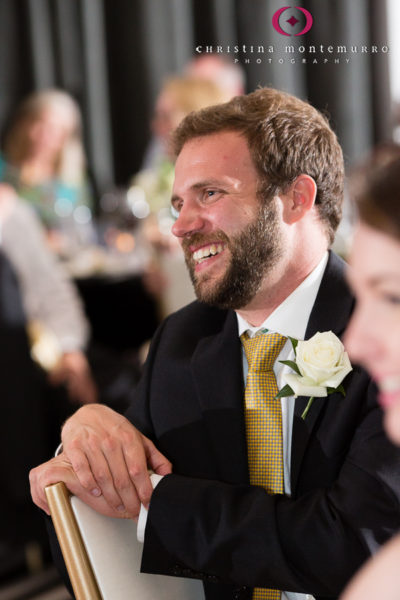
x=189 y=221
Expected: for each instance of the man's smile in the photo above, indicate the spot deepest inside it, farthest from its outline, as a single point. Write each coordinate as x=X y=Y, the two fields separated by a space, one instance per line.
x=207 y=252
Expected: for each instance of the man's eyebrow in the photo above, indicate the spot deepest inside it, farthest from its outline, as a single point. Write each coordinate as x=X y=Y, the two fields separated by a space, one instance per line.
x=206 y=183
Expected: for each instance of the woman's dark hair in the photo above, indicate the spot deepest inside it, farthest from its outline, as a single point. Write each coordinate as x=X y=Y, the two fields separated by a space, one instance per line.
x=375 y=189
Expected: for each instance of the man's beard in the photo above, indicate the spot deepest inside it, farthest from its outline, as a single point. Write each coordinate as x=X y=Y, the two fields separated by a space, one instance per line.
x=254 y=253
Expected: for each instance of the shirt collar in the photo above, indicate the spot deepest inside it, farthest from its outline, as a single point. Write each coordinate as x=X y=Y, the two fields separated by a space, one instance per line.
x=291 y=317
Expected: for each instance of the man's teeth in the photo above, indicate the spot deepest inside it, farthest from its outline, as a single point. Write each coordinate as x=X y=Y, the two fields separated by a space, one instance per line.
x=207 y=251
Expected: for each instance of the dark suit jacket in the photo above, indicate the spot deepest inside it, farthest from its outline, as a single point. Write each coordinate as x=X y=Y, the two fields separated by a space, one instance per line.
x=205 y=520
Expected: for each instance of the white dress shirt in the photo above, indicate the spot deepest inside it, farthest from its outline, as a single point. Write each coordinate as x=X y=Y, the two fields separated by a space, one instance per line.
x=289 y=319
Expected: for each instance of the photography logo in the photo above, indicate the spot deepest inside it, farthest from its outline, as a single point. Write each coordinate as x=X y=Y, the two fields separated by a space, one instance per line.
x=290 y=20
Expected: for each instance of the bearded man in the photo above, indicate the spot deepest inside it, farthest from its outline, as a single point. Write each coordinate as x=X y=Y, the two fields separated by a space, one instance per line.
x=258 y=498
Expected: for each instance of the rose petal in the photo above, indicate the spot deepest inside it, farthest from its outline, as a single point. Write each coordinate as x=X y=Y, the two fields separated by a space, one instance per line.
x=336 y=378
x=318 y=375
x=322 y=359
x=302 y=386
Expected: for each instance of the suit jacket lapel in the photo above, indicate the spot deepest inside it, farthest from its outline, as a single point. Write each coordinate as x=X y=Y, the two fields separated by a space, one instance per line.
x=330 y=312
x=218 y=375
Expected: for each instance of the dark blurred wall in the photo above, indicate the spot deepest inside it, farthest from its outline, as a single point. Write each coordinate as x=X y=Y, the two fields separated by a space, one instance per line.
x=130 y=100
x=15 y=70
x=112 y=55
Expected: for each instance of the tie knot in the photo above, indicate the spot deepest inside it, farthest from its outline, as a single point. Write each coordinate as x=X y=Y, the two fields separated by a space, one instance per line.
x=262 y=350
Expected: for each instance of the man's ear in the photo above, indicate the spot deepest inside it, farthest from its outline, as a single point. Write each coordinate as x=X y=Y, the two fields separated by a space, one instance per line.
x=299 y=199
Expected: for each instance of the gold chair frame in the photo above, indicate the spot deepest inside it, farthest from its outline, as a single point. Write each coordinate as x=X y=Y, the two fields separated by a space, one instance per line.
x=73 y=549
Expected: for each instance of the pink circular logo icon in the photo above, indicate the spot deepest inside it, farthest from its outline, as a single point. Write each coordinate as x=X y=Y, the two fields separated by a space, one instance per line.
x=288 y=26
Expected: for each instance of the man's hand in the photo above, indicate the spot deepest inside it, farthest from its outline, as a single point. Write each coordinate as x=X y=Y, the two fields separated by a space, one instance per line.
x=60 y=469
x=111 y=458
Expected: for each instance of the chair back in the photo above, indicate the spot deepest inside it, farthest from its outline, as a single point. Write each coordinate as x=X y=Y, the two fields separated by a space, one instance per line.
x=103 y=556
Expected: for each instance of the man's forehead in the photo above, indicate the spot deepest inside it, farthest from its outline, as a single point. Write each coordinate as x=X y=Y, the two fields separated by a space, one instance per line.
x=205 y=162
x=218 y=150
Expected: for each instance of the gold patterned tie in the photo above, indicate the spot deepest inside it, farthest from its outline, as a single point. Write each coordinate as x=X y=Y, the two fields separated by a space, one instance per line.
x=264 y=422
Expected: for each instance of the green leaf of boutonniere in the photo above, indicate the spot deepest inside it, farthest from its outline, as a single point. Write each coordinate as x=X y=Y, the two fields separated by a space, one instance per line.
x=285 y=391
x=292 y=365
x=339 y=389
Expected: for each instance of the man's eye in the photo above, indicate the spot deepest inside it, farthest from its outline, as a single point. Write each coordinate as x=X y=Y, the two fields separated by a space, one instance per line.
x=211 y=195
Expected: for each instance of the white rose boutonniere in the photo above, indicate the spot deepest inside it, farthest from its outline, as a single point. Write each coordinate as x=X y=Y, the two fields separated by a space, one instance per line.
x=320 y=366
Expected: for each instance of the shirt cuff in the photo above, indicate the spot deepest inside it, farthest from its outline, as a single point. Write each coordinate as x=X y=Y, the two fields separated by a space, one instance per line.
x=141 y=526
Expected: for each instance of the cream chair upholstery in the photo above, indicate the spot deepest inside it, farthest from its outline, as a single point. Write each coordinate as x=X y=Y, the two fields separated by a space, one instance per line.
x=103 y=556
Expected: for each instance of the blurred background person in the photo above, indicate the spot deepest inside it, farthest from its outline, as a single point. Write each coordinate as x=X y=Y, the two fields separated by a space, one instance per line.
x=220 y=69
x=179 y=95
x=57 y=326
x=44 y=373
x=44 y=160
x=151 y=187
x=373 y=335
x=228 y=76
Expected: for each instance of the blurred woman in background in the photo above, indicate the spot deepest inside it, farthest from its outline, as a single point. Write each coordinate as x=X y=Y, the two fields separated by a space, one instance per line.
x=43 y=159
x=373 y=335
x=56 y=323
x=178 y=96
x=151 y=187
x=44 y=373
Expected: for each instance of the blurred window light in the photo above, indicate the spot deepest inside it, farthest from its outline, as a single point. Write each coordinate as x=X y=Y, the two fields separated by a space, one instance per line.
x=63 y=207
x=137 y=201
x=82 y=215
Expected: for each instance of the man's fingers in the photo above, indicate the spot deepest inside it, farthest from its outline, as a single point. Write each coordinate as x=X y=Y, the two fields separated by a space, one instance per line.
x=110 y=456
x=120 y=482
x=152 y=459
x=37 y=493
x=81 y=466
x=55 y=470
x=155 y=460
x=104 y=479
x=59 y=469
x=105 y=472
x=96 y=477
x=135 y=459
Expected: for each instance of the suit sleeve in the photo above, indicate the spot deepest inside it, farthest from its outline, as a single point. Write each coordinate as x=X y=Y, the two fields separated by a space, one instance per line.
x=310 y=543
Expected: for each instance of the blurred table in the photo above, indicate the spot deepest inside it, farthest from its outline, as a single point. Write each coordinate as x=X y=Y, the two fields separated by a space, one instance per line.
x=122 y=314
